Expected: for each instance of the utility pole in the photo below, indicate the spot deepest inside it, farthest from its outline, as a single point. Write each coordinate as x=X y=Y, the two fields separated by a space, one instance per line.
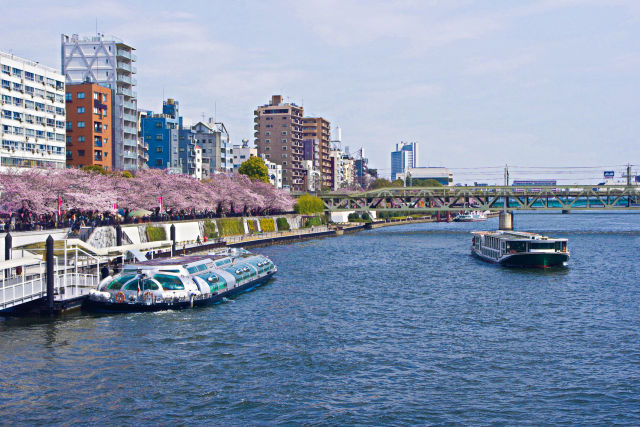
x=628 y=175
x=506 y=175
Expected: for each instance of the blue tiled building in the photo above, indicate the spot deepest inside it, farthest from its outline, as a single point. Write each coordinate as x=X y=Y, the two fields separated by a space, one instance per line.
x=161 y=132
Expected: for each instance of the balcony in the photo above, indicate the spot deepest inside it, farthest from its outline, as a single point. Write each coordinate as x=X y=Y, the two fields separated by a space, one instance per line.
x=124 y=66
x=130 y=106
x=131 y=155
x=131 y=118
x=129 y=129
x=126 y=92
x=124 y=78
x=123 y=54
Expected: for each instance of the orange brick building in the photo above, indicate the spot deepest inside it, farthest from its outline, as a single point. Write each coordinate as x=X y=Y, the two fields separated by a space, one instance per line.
x=89 y=125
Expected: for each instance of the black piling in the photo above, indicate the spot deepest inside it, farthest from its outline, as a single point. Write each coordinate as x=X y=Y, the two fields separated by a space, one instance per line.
x=8 y=244
x=50 y=273
x=172 y=234
x=118 y=235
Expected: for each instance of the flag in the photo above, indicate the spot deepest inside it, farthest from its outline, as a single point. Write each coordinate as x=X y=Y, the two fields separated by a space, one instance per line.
x=59 y=206
x=115 y=206
x=160 y=202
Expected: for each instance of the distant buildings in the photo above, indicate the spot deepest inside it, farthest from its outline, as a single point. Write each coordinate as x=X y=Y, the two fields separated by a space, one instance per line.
x=404 y=157
x=109 y=62
x=32 y=120
x=278 y=137
x=416 y=177
x=89 y=125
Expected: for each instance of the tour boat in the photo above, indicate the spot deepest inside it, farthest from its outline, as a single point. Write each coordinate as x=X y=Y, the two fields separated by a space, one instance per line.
x=470 y=217
x=519 y=249
x=181 y=282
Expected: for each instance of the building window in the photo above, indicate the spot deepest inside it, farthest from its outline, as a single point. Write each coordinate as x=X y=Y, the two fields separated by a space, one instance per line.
x=284 y=148
x=104 y=99
x=81 y=139
x=284 y=141
x=68 y=96
x=158 y=149
x=80 y=95
x=69 y=125
x=268 y=133
x=80 y=110
x=159 y=137
x=80 y=153
x=284 y=132
x=96 y=96
x=80 y=124
x=158 y=124
x=267 y=141
x=159 y=163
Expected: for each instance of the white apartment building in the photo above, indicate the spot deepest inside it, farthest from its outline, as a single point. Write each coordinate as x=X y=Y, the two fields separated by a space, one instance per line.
x=275 y=173
x=109 y=62
x=33 y=116
x=241 y=153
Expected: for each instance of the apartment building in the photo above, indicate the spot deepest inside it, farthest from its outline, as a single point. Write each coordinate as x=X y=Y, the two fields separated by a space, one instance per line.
x=241 y=153
x=89 y=125
x=109 y=62
x=33 y=116
x=319 y=129
x=217 y=150
x=278 y=137
x=160 y=132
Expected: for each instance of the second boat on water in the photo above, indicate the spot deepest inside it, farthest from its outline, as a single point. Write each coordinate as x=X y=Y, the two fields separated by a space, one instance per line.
x=519 y=249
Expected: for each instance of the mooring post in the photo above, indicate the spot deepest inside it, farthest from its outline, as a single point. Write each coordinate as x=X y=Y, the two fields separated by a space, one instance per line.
x=8 y=245
x=118 y=235
x=50 y=273
x=172 y=234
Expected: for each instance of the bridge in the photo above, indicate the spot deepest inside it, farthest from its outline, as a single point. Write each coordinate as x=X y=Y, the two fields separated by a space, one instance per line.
x=487 y=198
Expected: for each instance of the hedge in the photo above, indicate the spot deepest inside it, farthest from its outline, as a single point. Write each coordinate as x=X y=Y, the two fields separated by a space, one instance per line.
x=230 y=226
x=251 y=226
x=283 y=224
x=267 y=225
x=155 y=234
x=314 y=221
x=210 y=229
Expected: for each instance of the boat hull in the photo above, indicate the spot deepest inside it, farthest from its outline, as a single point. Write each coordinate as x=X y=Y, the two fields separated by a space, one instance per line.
x=529 y=260
x=113 y=307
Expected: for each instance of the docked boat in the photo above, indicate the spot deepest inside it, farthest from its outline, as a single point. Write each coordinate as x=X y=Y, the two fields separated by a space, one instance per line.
x=519 y=249
x=470 y=217
x=181 y=282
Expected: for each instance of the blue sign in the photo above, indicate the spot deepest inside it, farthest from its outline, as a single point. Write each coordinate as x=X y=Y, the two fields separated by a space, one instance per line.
x=637 y=178
x=608 y=174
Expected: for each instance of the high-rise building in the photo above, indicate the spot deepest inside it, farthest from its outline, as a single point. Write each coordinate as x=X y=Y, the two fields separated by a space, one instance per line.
x=319 y=129
x=217 y=150
x=32 y=123
x=404 y=157
x=109 y=62
x=89 y=125
x=161 y=132
x=278 y=136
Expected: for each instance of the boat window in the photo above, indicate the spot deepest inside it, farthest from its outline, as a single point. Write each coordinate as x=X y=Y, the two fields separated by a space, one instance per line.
x=132 y=285
x=169 y=283
x=202 y=267
x=518 y=246
x=170 y=271
x=150 y=285
x=117 y=283
x=192 y=270
x=540 y=245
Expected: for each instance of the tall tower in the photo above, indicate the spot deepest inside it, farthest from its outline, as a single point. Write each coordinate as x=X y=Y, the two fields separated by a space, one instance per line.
x=404 y=157
x=109 y=62
x=278 y=137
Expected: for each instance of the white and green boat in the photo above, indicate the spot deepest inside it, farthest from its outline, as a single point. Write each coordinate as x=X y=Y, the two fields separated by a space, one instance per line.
x=519 y=249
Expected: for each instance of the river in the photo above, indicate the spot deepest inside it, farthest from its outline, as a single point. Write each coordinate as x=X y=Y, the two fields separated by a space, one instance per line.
x=398 y=325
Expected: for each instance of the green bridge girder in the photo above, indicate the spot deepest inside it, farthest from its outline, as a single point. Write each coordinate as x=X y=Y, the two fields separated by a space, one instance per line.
x=432 y=199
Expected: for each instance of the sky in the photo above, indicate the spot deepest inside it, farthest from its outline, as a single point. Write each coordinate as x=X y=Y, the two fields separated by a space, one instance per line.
x=477 y=84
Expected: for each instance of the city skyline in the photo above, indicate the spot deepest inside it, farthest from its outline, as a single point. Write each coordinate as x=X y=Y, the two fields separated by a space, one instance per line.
x=540 y=83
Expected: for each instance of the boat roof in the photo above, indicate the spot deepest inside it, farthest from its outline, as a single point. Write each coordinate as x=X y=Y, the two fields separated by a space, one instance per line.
x=178 y=260
x=516 y=235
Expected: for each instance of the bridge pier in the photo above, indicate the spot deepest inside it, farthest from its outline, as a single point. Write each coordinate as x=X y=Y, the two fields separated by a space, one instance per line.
x=505 y=221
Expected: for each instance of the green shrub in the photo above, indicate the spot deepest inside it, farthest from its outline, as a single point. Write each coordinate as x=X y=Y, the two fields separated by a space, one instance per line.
x=155 y=234
x=308 y=204
x=230 y=226
x=210 y=229
x=251 y=226
x=366 y=216
x=353 y=216
x=267 y=225
x=314 y=221
x=283 y=224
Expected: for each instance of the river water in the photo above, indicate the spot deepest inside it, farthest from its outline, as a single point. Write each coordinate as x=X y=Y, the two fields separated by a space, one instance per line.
x=390 y=326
